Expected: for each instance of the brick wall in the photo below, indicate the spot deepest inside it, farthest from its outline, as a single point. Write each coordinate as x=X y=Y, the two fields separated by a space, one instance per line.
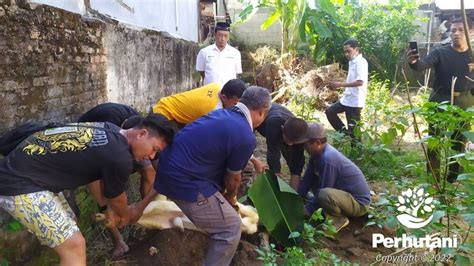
x=55 y=65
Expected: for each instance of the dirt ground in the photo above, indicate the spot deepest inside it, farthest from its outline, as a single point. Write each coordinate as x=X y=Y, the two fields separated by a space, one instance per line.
x=354 y=242
x=166 y=247
x=173 y=247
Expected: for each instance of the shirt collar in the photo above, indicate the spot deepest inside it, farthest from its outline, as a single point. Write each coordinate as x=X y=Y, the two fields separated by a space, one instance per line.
x=355 y=58
x=217 y=49
x=242 y=108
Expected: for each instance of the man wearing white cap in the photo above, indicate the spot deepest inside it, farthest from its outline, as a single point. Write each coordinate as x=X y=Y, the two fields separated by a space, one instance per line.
x=219 y=62
x=339 y=186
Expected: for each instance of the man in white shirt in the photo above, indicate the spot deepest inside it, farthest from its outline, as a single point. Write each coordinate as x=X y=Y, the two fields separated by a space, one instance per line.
x=355 y=93
x=219 y=62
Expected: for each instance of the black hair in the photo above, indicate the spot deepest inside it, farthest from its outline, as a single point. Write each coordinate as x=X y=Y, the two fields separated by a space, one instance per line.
x=460 y=20
x=352 y=43
x=295 y=129
x=132 y=121
x=159 y=125
x=233 y=87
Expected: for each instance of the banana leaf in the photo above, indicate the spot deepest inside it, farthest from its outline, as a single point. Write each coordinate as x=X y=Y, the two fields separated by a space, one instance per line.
x=279 y=207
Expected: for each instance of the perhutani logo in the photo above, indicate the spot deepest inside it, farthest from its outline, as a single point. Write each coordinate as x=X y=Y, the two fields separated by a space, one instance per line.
x=412 y=204
x=416 y=208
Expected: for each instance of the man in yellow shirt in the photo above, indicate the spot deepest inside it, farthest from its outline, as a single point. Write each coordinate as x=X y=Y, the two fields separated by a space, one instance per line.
x=188 y=106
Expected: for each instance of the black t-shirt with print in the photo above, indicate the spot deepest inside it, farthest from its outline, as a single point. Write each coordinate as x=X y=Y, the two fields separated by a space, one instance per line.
x=116 y=114
x=66 y=158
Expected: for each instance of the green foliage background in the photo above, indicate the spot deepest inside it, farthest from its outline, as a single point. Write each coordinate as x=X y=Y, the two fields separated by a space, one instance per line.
x=320 y=27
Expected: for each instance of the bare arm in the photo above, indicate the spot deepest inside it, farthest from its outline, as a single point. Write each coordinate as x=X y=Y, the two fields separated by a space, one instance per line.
x=231 y=184
x=335 y=85
x=136 y=210
x=117 y=210
x=295 y=182
x=147 y=175
x=259 y=165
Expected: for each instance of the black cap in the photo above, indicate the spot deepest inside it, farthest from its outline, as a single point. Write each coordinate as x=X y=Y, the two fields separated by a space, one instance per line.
x=224 y=26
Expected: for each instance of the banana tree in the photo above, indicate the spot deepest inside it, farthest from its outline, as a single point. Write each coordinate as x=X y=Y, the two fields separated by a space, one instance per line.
x=320 y=27
x=287 y=12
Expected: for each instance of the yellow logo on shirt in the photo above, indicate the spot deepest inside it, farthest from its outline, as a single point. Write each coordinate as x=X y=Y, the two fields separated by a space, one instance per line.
x=61 y=139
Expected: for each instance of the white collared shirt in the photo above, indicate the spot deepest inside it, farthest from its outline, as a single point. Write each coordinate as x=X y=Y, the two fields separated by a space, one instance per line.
x=219 y=66
x=358 y=70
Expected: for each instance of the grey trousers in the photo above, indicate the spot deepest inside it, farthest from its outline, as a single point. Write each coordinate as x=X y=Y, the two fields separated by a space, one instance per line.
x=215 y=216
x=337 y=202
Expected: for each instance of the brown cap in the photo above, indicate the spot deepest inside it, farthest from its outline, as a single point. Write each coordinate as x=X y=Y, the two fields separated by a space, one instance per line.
x=315 y=131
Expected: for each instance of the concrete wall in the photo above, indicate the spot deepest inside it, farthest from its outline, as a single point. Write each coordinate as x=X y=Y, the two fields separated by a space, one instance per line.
x=179 y=18
x=250 y=33
x=145 y=66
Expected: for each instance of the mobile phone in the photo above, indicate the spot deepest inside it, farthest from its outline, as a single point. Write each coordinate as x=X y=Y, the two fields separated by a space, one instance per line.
x=414 y=46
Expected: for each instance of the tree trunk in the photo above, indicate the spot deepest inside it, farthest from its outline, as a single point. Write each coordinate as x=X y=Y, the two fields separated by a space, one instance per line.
x=284 y=39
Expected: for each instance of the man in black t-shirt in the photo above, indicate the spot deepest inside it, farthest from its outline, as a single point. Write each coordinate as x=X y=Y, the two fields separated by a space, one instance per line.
x=126 y=117
x=114 y=113
x=52 y=160
x=282 y=132
x=448 y=62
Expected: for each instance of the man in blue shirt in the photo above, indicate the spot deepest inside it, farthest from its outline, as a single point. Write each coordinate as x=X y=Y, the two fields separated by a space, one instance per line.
x=339 y=186
x=201 y=170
